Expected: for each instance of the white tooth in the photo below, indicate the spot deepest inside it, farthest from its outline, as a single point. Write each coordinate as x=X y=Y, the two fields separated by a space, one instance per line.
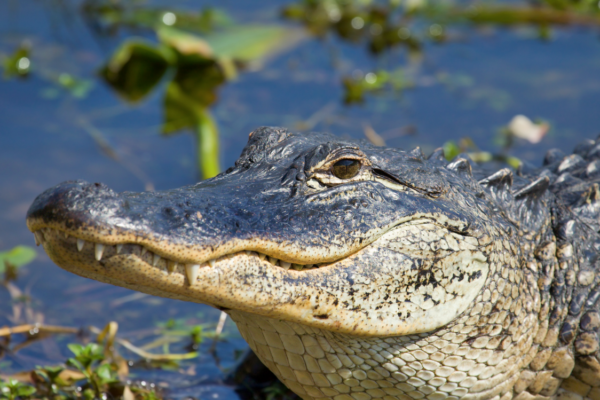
x=285 y=265
x=298 y=267
x=66 y=235
x=80 y=243
x=211 y=262
x=273 y=260
x=248 y=252
x=155 y=259
x=119 y=248
x=262 y=256
x=39 y=239
x=192 y=270
x=99 y=249
x=144 y=251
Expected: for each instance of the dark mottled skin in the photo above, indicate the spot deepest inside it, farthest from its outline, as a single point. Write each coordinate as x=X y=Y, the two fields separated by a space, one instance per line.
x=231 y=204
x=549 y=215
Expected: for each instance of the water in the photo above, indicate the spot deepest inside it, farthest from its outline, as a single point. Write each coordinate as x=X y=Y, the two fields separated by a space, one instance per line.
x=470 y=87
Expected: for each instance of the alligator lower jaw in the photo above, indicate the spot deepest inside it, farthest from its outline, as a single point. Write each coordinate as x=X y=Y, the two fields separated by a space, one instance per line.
x=99 y=251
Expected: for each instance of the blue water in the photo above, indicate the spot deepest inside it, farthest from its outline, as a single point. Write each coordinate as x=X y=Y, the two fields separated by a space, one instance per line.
x=44 y=140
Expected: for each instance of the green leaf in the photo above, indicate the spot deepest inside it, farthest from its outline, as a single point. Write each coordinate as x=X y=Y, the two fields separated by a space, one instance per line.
x=135 y=68
x=186 y=44
x=451 y=150
x=17 y=256
x=73 y=362
x=183 y=110
x=513 y=162
x=253 y=42
x=105 y=373
x=179 y=110
x=75 y=348
x=25 y=390
x=242 y=44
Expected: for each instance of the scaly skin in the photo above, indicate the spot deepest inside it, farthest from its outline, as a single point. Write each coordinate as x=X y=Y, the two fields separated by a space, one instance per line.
x=409 y=278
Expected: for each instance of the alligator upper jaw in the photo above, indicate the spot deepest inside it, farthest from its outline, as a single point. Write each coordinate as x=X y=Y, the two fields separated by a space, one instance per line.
x=191 y=225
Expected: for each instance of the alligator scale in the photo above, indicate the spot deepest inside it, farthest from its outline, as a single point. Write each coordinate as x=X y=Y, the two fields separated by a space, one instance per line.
x=358 y=272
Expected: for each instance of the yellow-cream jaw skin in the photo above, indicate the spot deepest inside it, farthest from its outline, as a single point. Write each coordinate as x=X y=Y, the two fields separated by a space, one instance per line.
x=251 y=281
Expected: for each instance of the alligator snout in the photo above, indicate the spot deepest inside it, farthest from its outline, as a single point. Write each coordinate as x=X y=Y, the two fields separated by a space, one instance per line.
x=71 y=204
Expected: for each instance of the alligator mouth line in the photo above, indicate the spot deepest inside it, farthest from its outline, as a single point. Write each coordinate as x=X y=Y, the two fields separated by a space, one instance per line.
x=164 y=264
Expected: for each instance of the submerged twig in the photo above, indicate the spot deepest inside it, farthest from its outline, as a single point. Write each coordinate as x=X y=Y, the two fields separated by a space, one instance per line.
x=34 y=329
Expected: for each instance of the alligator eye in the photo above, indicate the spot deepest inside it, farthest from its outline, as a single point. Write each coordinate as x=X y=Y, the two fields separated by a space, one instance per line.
x=346 y=168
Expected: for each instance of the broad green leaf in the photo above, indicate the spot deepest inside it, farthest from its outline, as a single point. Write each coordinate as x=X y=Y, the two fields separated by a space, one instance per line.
x=17 y=256
x=179 y=110
x=241 y=44
x=185 y=43
x=135 y=68
x=185 y=111
x=192 y=91
x=253 y=42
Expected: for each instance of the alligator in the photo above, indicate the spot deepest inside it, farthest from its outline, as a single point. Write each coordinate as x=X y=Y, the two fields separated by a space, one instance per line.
x=357 y=272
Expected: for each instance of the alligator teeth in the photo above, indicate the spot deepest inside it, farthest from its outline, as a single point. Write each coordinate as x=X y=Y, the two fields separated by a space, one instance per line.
x=273 y=260
x=144 y=251
x=155 y=260
x=99 y=249
x=298 y=267
x=211 y=262
x=39 y=238
x=262 y=256
x=119 y=248
x=285 y=265
x=171 y=266
x=80 y=243
x=192 y=271
x=248 y=252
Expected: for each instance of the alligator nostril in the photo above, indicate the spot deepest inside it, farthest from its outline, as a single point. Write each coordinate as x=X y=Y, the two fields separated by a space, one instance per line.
x=321 y=316
x=97 y=184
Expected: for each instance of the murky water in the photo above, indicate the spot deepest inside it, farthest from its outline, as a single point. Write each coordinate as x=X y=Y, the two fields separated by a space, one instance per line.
x=470 y=86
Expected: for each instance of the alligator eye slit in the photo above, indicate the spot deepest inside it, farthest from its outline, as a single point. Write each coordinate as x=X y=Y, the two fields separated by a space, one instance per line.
x=345 y=168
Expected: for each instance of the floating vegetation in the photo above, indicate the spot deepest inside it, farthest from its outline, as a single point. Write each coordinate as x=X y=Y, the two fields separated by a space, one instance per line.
x=96 y=370
x=18 y=64
x=196 y=67
x=107 y=17
x=385 y=25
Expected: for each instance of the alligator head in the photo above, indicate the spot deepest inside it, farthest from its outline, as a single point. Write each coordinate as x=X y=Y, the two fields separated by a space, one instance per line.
x=308 y=228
